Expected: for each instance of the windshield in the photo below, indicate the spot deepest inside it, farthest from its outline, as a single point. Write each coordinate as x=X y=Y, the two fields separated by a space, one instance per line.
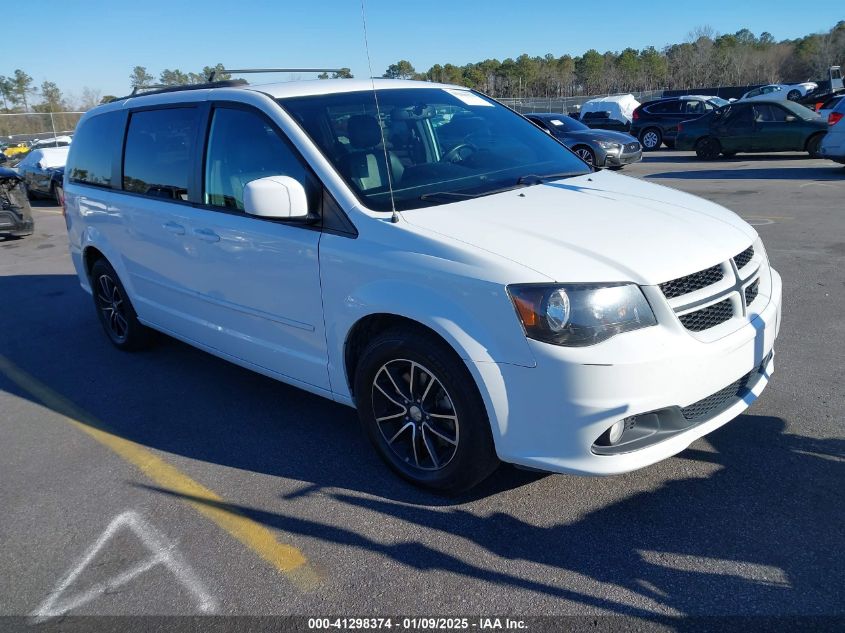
x=442 y=145
x=718 y=102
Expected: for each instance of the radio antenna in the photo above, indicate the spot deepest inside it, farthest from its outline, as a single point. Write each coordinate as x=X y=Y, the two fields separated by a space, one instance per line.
x=395 y=216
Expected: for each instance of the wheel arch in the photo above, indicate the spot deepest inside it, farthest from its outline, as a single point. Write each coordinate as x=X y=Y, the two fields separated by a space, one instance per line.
x=812 y=138
x=370 y=326
x=489 y=382
x=91 y=254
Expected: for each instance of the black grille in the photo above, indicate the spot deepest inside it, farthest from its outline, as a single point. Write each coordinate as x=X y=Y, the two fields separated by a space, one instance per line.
x=632 y=147
x=690 y=283
x=705 y=407
x=708 y=317
x=744 y=257
x=751 y=292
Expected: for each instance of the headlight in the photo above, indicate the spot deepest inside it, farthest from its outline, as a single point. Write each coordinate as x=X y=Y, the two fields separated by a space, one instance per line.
x=576 y=315
x=609 y=145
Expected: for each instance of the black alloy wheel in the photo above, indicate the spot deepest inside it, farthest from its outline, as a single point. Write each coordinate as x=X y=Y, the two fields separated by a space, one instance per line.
x=421 y=409
x=115 y=311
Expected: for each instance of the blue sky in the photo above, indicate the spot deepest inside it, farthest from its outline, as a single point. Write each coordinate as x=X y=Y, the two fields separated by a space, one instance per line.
x=99 y=42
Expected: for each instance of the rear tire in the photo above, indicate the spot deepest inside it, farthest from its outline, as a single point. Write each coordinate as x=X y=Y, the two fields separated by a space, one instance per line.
x=115 y=311
x=421 y=409
x=651 y=139
x=59 y=194
x=708 y=148
x=814 y=146
x=793 y=95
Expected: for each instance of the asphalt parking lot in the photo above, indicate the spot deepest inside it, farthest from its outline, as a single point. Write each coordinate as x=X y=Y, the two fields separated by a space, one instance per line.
x=172 y=482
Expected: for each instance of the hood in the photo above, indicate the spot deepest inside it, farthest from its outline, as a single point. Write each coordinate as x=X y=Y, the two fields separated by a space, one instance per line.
x=600 y=227
x=602 y=135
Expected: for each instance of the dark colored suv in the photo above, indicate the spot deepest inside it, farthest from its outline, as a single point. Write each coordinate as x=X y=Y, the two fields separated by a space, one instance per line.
x=656 y=122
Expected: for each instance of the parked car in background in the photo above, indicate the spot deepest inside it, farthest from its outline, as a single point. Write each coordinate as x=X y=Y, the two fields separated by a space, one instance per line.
x=16 y=149
x=609 y=113
x=56 y=141
x=832 y=86
x=777 y=92
x=37 y=169
x=761 y=126
x=829 y=105
x=656 y=122
x=15 y=213
x=58 y=184
x=597 y=148
x=833 y=144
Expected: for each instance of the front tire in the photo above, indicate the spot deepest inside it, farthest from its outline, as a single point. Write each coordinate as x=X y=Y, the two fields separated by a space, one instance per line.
x=587 y=155
x=708 y=148
x=793 y=95
x=421 y=409
x=117 y=316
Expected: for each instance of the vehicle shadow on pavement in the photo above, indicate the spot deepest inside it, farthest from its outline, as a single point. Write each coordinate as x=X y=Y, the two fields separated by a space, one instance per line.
x=690 y=157
x=833 y=173
x=754 y=529
x=179 y=399
x=752 y=538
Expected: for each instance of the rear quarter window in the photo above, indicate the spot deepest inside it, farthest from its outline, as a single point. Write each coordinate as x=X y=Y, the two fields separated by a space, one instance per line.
x=157 y=156
x=94 y=146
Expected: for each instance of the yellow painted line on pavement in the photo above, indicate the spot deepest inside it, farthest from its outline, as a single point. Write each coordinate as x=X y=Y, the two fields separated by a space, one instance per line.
x=285 y=558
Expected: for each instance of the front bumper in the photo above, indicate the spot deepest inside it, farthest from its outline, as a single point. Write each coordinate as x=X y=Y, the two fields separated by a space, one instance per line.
x=548 y=417
x=618 y=160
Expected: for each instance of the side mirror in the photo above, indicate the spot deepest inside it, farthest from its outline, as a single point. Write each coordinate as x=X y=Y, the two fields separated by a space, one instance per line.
x=276 y=197
x=789 y=118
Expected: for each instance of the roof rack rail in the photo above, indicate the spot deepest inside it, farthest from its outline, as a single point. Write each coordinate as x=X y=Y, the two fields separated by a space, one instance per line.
x=159 y=89
x=243 y=71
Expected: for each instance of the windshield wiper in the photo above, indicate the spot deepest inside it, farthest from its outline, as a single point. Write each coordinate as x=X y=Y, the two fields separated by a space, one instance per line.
x=534 y=179
x=452 y=195
x=523 y=181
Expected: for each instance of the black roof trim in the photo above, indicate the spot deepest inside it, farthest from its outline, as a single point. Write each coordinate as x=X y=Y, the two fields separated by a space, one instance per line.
x=155 y=90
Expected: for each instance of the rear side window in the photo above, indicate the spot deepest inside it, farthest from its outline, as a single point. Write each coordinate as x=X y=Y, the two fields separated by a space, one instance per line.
x=157 y=157
x=665 y=107
x=92 y=151
x=693 y=107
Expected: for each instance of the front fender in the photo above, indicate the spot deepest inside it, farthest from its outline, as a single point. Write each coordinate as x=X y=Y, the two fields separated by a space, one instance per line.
x=477 y=320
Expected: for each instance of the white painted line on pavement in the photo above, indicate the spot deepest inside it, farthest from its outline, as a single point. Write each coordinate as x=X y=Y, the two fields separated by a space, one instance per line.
x=163 y=553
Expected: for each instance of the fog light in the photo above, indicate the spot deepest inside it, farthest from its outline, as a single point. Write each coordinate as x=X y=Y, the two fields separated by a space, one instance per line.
x=614 y=433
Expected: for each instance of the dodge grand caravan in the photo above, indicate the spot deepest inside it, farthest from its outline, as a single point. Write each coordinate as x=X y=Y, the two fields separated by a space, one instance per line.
x=431 y=258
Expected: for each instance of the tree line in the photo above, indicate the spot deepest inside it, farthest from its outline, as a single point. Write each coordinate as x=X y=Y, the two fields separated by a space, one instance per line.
x=706 y=59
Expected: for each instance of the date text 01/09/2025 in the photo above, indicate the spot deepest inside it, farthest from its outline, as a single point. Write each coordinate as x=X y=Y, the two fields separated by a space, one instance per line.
x=415 y=624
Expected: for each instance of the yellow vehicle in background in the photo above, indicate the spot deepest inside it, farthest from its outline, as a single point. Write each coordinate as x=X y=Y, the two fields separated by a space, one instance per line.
x=16 y=149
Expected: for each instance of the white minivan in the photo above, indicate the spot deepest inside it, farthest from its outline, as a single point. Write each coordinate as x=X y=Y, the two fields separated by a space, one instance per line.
x=426 y=255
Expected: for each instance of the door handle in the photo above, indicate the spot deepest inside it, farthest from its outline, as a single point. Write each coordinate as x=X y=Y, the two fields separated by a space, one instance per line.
x=176 y=229
x=207 y=235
